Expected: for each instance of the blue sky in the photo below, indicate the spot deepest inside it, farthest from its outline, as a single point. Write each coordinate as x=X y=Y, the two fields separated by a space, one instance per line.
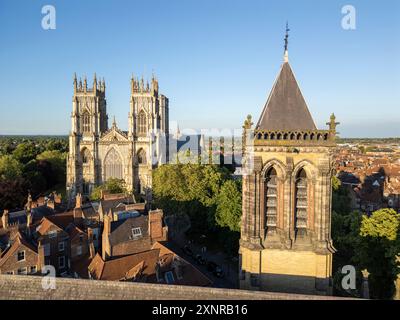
x=216 y=60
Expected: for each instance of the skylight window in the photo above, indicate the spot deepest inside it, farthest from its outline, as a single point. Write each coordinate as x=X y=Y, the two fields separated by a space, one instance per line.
x=136 y=232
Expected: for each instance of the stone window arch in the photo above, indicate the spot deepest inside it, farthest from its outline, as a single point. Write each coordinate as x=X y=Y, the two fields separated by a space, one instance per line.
x=86 y=156
x=142 y=123
x=301 y=203
x=271 y=201
x=141 y=156
x=85 y=122
x=113 y=165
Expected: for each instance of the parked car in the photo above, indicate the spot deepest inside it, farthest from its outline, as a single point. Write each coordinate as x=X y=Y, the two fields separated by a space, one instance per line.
x=200 y=259
x=215 y=269
x=187 y=250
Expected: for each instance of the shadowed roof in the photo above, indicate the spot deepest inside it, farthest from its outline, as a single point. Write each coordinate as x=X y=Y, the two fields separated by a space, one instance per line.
x=286 y=108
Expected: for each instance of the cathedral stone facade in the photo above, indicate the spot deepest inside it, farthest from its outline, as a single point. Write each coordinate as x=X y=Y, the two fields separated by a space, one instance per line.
x=286 y=241
x=98 y=153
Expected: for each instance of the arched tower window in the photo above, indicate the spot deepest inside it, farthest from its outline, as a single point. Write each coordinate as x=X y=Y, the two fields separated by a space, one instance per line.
x=301 y=203
x=142 y=157
x=142 y=125
x=113 y=165
x=85 y=122
x=271 y=182
x=86 y=156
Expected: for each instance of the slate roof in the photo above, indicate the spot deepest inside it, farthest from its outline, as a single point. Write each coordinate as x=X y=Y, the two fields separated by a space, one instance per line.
x=121 y=230
x=117 y=269
x=286 y=108
x=106 y=205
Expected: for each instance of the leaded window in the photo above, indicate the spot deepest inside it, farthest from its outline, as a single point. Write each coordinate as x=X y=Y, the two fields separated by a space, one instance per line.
x=301 y=203
x=113 y=165
x=85 y=122
x=271 y=204
x=142 y=125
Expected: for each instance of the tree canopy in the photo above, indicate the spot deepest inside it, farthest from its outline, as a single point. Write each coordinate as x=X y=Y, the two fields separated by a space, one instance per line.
x=206 y=193
x=112 y=186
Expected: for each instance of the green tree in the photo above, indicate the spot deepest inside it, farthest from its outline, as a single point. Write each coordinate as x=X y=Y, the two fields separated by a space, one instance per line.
x=378 y=249
x=189 y=189
x=229 y=206
x=25 y=152
x=10 y=168
x=58 y=163
x=341 y=201
x=112 y=186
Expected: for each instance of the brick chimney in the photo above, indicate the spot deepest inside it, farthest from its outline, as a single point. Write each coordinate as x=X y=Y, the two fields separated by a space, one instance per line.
x=78 y=201
x=41 y=258
x=106 y=248
x=4 y=219
x=92 y=252
x=28 y=219
x=156 y=229
x=50 y=204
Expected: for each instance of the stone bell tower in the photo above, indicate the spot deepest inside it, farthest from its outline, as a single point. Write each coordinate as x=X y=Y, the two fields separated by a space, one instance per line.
x=286 y=241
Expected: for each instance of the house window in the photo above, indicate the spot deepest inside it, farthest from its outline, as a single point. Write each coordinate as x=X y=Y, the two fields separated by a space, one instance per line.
x=61 y=262
x=33 y=269
x=169 y=277
x=21 y=256
x=79 y=250
x=52 y=234
x=136 y=232
x=86 y=188
x=10 y=272
x=22 y=271
x=61 y=246
x=46 y=248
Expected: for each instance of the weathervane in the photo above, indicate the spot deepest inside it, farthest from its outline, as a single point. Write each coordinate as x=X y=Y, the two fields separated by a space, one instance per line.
x=287 y=36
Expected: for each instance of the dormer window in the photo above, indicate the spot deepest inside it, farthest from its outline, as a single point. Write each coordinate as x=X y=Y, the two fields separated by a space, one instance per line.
x=52 y=234
x=136 y=232
x=21 y=256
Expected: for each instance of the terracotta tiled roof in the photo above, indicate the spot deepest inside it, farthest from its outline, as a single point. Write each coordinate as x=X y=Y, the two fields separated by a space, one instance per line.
x=190 y=274
x=119 y=269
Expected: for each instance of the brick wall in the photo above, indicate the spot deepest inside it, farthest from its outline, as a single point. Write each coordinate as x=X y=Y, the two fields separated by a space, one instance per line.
x=30 y=287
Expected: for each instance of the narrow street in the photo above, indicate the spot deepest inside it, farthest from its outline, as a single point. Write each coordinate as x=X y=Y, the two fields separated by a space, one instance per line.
x=230 y=278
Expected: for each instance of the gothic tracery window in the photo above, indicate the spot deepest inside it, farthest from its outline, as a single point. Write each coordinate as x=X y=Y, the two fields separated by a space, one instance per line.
x=142 y=157
x=142 y=126
x=271 y=182
x=301 y=203
x=85 y=153
x=113 y=165
x=85 y=122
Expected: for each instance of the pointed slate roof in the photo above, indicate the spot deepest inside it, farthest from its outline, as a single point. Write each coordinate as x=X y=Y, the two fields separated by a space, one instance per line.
x=286 y=108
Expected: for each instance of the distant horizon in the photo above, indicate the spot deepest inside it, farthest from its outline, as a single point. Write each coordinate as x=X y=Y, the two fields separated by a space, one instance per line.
x=171 y=133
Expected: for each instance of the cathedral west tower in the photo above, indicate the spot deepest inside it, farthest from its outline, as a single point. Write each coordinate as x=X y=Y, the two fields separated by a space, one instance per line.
x=98 y=153
x=286 y=241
